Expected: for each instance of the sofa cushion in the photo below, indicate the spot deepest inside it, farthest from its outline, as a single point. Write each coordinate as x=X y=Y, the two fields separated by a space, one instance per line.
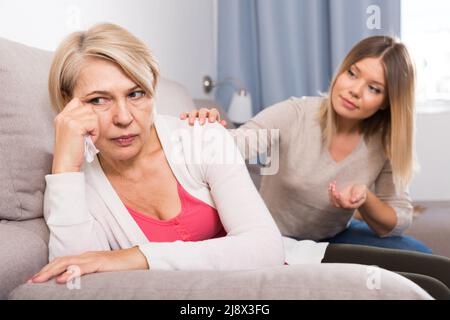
x=23 y=253
x=318 y=281
x=26 y=126
x=26 y=130
x=36 y=226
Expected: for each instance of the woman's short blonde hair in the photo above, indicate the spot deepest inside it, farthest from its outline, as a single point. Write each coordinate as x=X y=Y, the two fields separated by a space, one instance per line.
x=106 y=41
x=395 y=121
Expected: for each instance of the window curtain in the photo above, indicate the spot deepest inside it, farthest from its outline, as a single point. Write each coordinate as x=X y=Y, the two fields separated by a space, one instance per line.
x=282 y=48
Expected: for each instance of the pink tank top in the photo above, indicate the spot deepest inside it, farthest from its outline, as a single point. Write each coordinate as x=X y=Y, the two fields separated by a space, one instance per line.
x=196 y=221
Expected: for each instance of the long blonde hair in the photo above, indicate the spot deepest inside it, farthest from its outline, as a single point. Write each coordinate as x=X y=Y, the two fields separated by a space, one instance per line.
x=396 y=121
x=106 y=41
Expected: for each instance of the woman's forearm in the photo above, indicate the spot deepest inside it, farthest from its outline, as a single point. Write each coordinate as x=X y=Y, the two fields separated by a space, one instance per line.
x=126 y=259
x=380 y=216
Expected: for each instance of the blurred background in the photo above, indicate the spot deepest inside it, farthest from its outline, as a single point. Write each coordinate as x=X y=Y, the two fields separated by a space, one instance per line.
x=274 y=49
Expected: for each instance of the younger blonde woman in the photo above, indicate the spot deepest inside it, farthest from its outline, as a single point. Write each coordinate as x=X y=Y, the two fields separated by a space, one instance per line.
x=350 y=152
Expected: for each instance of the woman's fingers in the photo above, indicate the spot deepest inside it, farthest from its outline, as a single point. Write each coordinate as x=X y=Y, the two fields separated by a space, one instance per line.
x=359 y=193
x=343 y=200
x=71 y=272
x=340 y=199
x=48 y=272
x=333 y=194
x=77 y=270
x=342 y=203
x=72 y=105
x=330 y=197
x=57 y=267
x=192 y=116
x=214 y=115
x=349 y=198
x=356 y=198
x=202 y=115
x=337 y=200
x=211 y=114
x=330 y=194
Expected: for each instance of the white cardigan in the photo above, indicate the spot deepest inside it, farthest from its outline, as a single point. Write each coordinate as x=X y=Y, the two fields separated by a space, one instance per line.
x=84 y=213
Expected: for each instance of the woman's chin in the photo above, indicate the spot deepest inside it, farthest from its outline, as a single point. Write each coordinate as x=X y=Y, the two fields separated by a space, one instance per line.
x=123 y=154
x=346 y=113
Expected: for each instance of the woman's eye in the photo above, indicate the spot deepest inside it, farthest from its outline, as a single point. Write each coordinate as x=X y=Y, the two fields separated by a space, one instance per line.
x=98 y=101
x=374 y=90
x=137 y=94
x=351 y=73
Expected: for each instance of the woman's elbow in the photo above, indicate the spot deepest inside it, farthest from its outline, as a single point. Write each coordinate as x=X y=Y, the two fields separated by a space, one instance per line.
x=403 y=223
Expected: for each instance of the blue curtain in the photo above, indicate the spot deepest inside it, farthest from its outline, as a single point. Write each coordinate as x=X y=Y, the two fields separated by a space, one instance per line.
x=283 y=48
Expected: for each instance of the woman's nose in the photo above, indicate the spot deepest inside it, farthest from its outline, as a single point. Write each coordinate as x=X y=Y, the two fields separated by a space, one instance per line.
x=122 y=115
x=356 y=89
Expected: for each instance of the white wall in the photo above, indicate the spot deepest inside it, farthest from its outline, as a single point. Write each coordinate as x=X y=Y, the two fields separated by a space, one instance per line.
x=183 y=36
x=433 y=150
x=181 y=33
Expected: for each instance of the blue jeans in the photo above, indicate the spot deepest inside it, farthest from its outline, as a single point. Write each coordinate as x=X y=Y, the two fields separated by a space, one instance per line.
x=360 y=233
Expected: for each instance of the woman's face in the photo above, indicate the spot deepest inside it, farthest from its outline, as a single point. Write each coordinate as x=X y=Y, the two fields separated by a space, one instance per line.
x=360 y=91
x=122 y=107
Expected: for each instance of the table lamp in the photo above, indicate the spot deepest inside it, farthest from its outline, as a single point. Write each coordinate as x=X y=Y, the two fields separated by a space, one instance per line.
x=240 y=109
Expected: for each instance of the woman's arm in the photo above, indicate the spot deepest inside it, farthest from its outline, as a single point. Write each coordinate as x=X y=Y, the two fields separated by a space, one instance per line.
x=388 y=213
x=78 y=245
x=380 y=216
x=73 y=230
x=68 y=267
x=396 y=211
x=260 y=135
x=253 y=239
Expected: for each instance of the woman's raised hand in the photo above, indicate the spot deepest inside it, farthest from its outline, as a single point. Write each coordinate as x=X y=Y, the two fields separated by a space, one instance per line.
x=351 y=197
x=71 y=125
x=212 y=115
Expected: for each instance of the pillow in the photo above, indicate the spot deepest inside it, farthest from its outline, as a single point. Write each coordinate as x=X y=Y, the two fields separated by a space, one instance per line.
x=171 y=98
x=26 y=130
x=26 y=126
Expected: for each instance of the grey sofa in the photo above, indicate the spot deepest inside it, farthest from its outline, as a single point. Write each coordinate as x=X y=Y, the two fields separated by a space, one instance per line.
x=26 y=141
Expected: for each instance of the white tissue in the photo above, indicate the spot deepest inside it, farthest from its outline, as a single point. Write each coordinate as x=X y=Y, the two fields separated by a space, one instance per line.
x=89 y=149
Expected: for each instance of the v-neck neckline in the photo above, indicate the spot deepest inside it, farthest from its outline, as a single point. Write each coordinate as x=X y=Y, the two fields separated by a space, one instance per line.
x=350 y=155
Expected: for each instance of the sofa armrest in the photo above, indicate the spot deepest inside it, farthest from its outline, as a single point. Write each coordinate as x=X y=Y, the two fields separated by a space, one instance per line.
x=22 y=253
x=314 y=281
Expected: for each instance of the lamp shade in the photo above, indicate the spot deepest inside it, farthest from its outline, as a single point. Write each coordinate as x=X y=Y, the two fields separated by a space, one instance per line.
x=240 y=110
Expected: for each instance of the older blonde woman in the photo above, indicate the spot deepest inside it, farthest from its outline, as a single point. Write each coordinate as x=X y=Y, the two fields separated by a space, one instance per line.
x=155 y=197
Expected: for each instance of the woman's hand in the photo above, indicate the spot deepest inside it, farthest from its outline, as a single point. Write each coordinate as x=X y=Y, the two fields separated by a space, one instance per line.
x=351 y=197
x=71 y=125
x=212 y=115
x=91 y=262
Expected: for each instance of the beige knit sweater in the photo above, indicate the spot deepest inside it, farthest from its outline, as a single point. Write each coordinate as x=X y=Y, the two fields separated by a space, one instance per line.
x=297 y=195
